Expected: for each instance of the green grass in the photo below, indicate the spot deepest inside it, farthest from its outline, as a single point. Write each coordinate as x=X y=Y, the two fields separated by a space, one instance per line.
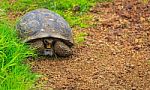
x=63 y=7
x=80 y=37
x=145 y=1
x=14 y=75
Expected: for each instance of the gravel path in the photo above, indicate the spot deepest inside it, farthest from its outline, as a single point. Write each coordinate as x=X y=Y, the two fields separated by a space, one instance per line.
x=114 y=56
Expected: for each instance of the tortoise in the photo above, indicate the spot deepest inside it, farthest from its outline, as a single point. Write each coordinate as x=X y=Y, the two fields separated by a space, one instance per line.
x=46 y=31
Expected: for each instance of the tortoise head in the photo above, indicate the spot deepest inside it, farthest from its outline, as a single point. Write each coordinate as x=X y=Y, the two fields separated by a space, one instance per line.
x=43 y=46
x=48 y=47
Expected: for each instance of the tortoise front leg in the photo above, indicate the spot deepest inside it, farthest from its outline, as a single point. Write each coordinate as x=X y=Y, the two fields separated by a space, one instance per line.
x=61 y=49
x=38 y=45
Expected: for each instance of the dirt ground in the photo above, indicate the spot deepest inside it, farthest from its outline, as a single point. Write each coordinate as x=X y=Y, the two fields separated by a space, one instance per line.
x=114 y=56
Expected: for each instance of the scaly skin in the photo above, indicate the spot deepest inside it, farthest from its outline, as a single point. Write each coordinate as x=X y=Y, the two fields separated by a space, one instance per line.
x=38 y=45
x=59 y=48
x=62 y=49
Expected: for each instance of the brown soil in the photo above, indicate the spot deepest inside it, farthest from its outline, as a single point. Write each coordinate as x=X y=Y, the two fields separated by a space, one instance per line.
x=114 y=56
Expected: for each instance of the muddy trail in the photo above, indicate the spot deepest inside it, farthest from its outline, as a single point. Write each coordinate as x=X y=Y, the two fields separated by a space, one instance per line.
x=114 y=56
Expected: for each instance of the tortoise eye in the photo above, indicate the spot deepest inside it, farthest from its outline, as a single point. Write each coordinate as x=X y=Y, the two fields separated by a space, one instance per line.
x=47 y=43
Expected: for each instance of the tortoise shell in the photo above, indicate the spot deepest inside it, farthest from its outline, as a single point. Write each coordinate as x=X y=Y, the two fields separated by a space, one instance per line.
x=43 y=23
